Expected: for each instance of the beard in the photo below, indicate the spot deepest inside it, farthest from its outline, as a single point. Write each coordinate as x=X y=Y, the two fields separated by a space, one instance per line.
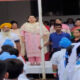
x=6 y=33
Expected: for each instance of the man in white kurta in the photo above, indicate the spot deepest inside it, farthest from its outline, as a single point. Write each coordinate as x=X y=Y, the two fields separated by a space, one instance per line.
x=59 y=57
x=6 y=34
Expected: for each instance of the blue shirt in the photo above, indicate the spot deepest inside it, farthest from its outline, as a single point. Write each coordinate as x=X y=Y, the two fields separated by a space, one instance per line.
x=55 y=38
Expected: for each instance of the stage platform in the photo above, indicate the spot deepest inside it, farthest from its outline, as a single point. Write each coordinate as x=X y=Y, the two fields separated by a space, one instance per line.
x=29 y=69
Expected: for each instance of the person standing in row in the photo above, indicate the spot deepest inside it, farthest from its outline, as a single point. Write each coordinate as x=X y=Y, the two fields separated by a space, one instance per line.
x=30 y=32
x=55 y=38
x=17 y=31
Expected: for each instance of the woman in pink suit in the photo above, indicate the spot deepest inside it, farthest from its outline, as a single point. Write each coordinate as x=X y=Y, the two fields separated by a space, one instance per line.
x=30 y=32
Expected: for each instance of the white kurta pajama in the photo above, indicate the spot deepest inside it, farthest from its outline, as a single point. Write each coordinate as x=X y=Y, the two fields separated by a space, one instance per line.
x=58 y=59
x=72 y=68
x=76 y=75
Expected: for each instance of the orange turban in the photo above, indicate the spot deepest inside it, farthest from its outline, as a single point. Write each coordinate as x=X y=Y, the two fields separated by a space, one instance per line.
x=5 y=24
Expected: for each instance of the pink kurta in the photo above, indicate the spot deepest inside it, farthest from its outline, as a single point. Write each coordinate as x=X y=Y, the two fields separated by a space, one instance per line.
x=32 y=39
x=32 y=42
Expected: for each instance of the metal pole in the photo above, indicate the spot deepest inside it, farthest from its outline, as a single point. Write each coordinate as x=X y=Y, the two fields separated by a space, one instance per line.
x=42 y=50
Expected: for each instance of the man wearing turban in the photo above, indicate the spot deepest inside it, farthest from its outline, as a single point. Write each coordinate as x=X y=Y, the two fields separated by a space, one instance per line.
x=6 y=36
x=58 y=58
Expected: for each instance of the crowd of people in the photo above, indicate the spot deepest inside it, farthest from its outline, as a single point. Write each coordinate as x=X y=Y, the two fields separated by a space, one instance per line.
x=60 y=43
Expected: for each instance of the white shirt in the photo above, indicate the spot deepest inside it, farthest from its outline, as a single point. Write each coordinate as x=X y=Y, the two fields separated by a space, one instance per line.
x=14 y=37
x=76 y=75
x=57 y=59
